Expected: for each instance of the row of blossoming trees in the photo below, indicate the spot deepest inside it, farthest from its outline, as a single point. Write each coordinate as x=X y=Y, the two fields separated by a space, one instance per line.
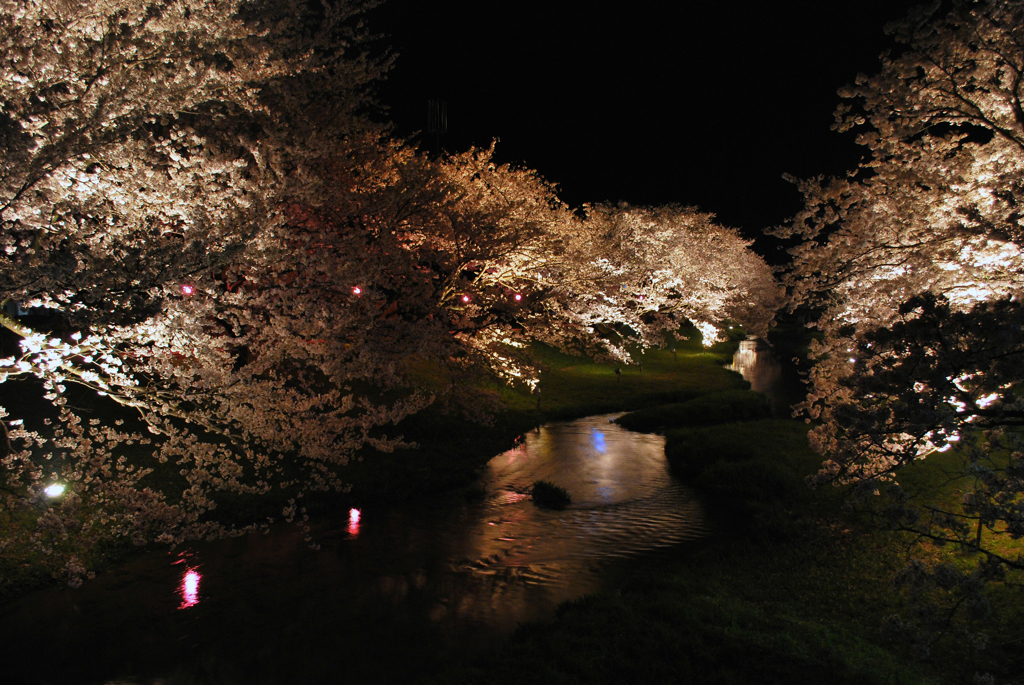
x=231 y=250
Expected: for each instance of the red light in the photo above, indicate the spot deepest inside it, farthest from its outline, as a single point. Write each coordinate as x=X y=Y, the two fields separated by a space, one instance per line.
x=190 y=588
x=465 y=298
x=187 y=289
x=518 y=297
x=357 y=290
x=353 y=522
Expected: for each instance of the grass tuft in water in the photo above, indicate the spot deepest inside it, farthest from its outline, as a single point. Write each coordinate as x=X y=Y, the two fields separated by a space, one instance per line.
x=547 y=494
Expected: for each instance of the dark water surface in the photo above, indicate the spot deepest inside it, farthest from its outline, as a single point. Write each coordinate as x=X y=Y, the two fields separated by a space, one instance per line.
x=386 y=588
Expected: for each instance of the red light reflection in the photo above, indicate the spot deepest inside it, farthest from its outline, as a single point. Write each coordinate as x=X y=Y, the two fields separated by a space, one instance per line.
x=187 y=289
x=353 y=522
x=190 y=588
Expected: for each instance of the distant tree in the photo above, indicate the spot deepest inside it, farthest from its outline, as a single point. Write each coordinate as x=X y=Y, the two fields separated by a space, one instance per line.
x=915 y=261
x=676 y=264
x=474 y=259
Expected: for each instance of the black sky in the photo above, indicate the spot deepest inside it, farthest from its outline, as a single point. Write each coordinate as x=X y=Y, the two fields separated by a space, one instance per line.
x=704 y=104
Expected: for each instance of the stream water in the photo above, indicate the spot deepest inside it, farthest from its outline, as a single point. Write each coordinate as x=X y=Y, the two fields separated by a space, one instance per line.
x=767 y=373
x=389 y=591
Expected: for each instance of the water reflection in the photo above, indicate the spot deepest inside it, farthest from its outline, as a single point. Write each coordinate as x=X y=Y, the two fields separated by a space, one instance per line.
x=757 y=365
x=777 y=379
x=385 y=582
x=190 y=588
x=353 y=522
x=624 y=501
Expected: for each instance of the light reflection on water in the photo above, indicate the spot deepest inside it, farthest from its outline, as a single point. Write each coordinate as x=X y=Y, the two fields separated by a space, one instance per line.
x=190 y=588
x=353 y=521
x=766 y=373
x=476 y=568
x=757 y=365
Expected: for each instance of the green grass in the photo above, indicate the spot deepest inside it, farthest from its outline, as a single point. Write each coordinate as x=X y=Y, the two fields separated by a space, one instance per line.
x=451 y=448
x=575 y=386
x=939 y=482
x=788 y=589
x=724 y=406
x=672 y=628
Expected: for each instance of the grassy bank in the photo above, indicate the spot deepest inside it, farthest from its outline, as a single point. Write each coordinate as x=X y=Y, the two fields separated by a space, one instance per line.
x=723 y=406
x=792 y=588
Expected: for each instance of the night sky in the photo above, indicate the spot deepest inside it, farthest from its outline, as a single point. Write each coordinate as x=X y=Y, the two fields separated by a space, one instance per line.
x=704 y=104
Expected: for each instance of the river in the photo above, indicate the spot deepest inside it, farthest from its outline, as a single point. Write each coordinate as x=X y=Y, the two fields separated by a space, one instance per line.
x=389 y=593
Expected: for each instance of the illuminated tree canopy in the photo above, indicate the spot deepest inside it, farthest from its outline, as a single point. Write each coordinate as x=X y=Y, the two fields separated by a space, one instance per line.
x=229 y=247
x=915 y=263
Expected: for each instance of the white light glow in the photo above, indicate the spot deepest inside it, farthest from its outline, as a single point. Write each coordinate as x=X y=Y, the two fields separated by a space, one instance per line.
x=353 y=521
x=55 y=490
x=708 y=332
x=190 y=589
x=988 y=399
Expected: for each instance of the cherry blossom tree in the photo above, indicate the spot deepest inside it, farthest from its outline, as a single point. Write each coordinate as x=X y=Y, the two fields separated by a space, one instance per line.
x=675 y=264
x=148 y=146
x=915 y=263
